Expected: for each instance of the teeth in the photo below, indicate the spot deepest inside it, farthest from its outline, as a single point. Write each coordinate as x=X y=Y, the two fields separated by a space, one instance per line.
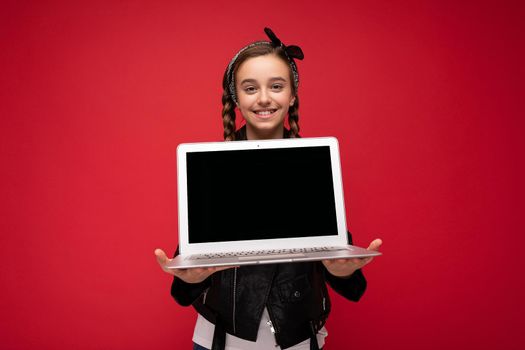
x=264 y=112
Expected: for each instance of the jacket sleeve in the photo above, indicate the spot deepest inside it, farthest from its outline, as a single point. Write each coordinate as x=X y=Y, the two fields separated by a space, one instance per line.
x=353 y=287
x=186 y=293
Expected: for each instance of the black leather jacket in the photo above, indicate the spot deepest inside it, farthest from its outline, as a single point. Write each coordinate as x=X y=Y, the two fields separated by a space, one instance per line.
x=295 y=295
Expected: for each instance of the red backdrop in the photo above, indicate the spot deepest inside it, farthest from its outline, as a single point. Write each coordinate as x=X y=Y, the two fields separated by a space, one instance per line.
x=426 y=98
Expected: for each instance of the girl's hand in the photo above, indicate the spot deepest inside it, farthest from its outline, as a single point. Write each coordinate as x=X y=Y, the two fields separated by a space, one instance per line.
x=346 y=267
x=194 y=275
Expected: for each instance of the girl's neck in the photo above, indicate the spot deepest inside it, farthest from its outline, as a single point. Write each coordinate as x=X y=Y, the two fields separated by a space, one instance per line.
x=253 y=134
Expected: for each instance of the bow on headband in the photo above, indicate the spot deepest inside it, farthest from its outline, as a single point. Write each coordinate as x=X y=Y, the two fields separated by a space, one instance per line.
x=291 y=52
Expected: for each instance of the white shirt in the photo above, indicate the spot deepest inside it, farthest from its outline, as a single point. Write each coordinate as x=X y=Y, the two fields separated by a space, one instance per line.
x=203 y=335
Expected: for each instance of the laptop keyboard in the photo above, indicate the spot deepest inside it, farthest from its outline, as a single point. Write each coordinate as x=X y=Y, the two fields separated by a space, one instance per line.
x=261 y=253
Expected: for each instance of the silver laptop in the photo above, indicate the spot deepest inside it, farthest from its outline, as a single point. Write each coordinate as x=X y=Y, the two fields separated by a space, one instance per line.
x=261 y=202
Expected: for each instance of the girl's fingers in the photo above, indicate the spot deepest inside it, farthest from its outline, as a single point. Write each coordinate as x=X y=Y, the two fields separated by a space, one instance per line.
x=162 y=258
x=376 y=243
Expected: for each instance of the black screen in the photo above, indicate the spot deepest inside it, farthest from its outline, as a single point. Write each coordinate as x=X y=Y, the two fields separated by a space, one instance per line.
x=260 y=194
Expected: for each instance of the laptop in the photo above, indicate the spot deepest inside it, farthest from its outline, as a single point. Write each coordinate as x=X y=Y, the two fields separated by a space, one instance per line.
x=261 y=202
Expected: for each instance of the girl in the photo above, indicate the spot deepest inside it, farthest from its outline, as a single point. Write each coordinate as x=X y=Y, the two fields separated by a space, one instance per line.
x=264 y=306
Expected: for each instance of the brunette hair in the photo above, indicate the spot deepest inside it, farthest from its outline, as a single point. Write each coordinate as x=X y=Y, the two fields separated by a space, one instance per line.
x=228 y=105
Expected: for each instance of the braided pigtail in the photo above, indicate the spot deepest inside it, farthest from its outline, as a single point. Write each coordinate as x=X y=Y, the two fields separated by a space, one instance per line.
x=228 y=116
x=293 y=119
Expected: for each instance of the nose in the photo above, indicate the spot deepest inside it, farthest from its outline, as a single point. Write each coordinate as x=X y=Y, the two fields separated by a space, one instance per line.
x=264 y=97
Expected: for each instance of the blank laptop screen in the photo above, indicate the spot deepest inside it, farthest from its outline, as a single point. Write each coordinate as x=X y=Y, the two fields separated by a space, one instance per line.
x=260 y=194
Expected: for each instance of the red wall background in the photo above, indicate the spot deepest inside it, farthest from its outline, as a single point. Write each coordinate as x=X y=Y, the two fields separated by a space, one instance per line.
x=426 y=98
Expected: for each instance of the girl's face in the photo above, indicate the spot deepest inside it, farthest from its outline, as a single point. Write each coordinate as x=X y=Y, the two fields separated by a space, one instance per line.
x=264 y=95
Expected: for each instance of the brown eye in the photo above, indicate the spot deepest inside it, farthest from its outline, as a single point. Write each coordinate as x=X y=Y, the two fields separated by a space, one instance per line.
x=277 y=87
x=250 y=89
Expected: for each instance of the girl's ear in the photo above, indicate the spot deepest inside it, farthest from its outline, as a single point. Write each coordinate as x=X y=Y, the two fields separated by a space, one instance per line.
x=292 y=102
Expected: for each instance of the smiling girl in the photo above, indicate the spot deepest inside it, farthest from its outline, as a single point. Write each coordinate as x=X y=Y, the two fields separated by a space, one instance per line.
x=277 y=305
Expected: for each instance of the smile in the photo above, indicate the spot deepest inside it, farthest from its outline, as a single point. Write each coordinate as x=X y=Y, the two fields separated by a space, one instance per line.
x=265 y=113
